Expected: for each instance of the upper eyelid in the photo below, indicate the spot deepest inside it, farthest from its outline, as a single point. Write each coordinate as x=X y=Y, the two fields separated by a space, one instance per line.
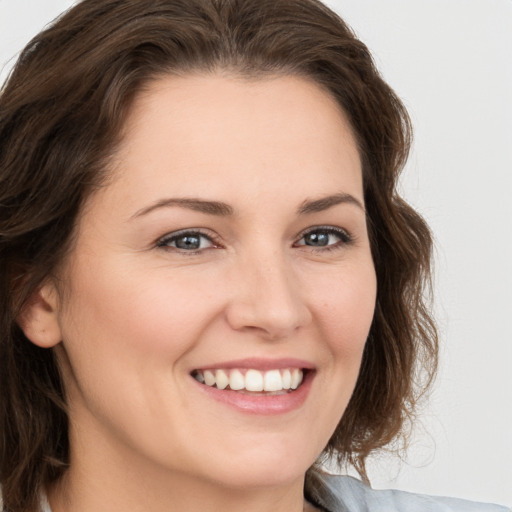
x=332 y=229
x=182 y=232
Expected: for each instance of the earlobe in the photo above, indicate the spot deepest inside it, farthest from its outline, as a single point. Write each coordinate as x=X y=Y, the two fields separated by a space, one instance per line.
x=39 y=318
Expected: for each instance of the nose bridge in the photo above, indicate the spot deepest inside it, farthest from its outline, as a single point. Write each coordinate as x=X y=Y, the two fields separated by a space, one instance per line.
x=267 y=295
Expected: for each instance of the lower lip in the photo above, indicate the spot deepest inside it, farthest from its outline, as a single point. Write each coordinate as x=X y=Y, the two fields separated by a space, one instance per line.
x=266 y=405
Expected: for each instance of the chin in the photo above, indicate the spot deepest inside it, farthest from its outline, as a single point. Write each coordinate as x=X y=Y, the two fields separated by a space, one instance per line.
x=263 y=476
x=264 y=466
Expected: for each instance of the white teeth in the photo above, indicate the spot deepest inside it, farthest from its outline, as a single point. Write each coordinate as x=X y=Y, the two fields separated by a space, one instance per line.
x=236 y=380
x=296 y=378
x=253 y=380
x=287 y=379
x=209 y=378
x=222 y=379
x=273 y=381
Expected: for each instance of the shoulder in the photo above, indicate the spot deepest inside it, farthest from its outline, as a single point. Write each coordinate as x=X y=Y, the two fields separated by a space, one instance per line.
x=347 y=494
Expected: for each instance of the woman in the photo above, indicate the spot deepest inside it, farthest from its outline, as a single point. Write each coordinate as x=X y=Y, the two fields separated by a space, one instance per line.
x=210 y=283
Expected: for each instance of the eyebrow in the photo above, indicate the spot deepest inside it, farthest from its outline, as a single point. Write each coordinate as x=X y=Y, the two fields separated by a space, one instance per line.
x=324 y=203
x=219 y=208
x=198 y=205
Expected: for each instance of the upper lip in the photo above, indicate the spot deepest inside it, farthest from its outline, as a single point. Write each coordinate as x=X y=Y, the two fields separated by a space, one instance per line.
x=261 y=364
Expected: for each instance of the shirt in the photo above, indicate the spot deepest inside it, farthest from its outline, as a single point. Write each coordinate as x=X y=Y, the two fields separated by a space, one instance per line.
x=347 y=494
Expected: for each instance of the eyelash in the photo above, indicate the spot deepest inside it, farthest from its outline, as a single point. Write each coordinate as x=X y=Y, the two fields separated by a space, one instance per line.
x=343 y=235
x=173 y=237
x=345 y=238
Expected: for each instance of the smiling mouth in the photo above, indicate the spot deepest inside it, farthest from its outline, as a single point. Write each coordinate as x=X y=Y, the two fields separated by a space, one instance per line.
x=273 y=382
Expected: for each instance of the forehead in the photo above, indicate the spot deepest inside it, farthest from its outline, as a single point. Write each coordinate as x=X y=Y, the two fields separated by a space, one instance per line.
x=201 y=134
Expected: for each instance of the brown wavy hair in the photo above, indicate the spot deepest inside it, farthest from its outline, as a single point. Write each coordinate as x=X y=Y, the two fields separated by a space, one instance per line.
x=61 y=114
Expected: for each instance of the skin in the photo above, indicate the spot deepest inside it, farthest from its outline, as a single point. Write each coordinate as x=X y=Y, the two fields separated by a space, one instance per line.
x=132 y=318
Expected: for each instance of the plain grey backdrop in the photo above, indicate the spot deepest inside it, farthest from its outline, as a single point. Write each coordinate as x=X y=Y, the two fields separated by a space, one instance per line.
x=451 y=63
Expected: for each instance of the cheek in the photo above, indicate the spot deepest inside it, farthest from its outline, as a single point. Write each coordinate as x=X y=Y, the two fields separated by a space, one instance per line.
x=346 y=309
x=344 y=313
x=138 y=312
x=123 y=335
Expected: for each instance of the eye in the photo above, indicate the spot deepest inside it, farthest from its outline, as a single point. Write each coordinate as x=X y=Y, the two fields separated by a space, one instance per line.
x=327 y=237
x=188 y=241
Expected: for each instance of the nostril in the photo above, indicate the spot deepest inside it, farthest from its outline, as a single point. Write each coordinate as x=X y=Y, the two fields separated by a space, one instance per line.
x=271 y=320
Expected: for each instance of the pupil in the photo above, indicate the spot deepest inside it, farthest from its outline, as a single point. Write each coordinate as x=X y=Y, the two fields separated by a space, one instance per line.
x=317 y=239
x=188 y=242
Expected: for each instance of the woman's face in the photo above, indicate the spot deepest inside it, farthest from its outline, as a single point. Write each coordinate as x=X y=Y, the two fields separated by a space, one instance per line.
x=231 y=246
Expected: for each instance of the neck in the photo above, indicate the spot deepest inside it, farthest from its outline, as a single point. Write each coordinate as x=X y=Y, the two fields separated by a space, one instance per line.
x=175 y=497
x=100 y=487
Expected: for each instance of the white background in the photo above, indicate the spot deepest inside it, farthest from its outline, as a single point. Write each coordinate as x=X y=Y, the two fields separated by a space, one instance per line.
x=451 y=63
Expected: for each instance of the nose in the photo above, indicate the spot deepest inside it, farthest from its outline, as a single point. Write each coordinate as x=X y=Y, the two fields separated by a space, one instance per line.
x=266 y=299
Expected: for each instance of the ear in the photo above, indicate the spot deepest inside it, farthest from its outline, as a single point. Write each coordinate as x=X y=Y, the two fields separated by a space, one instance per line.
x=39 y=317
